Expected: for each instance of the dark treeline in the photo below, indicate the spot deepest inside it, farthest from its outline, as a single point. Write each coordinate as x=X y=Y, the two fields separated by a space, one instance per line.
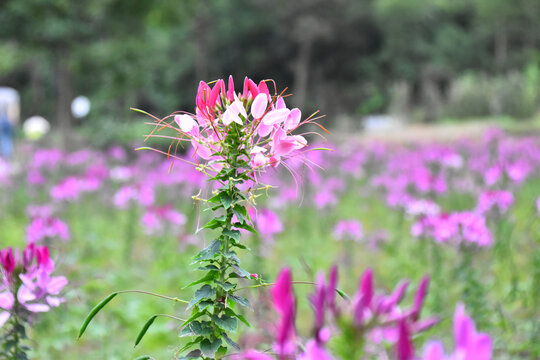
x=423 y=58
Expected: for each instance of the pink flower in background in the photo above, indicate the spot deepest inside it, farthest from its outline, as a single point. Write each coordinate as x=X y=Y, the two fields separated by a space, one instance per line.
x=469 y=344
x=468 y=227
x=46 y=227
x=267 y=222
x=68 y=189
x=499 y=199
x=157 y=219
x=325 y=198
x=348 y=229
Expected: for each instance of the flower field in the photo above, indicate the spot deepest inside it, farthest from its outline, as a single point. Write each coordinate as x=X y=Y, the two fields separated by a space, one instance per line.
x=362 y=250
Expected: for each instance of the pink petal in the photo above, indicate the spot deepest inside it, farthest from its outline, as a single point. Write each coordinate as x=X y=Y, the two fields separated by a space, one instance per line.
x=434 y=351
x=37 y=307
x=276 y=116
x=55 y=284
x=259 y=106
x=54 y=301
x=4 y=316
x=6 y=300
x=25 y=294
x=186 y=122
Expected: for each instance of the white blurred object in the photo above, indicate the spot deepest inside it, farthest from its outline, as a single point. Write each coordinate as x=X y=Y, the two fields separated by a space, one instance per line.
x=382 y=123
x=80 y=107
x=35 y=127
x=10 y=100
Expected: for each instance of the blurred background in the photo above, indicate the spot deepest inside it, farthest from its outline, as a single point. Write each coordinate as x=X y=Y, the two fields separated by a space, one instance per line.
x=406 y=61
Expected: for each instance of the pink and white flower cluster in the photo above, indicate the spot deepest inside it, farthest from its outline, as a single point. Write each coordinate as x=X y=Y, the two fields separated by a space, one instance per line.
x=26 y=283
x=263 y=122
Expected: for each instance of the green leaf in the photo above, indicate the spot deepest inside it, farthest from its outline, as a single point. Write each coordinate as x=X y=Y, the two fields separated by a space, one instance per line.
x=241 y=272
x=225 y=322
x=145 y=328
x=196 y=328
x=241 y=300
x=240 y=317
x=211 y=275
x=205 y=292
x=208 y=267
x=203 y=305
x=233 y=234
x=229 y=341
x=226 y=199
x=244 y=226
x=194 y=315
x=94 y=312
x=214 y=199
x=240 y=212
x=210 y=251
x=225 y=285
x=209 y=348
x=143 y=357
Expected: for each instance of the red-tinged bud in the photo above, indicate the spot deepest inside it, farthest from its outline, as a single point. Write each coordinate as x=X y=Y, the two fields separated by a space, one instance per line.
x=230 y=90
x=254 y=276
x=420 y=297
x=245 y=92
x=405 y=349
x=7 y=259
x=28 y=254
x=263 y=88
x=214 y=94
x=42 y=255
x=253 y=89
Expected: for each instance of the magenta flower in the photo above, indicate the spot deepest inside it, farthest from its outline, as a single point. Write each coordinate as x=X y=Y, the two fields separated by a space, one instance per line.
x=351 y=229
x=470 y=345
x=267 y=222
x=252 y=355
x=46 y=227
x=283 y=298
x=500 y=200
x=157 y=219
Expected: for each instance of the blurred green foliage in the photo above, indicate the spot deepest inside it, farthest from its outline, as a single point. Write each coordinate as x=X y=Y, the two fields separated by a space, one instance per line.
x=334 y=55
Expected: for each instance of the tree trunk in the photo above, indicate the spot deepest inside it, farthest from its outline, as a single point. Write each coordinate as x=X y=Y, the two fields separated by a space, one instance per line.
x=501 y=47
x=301 y=73
x=64 y=96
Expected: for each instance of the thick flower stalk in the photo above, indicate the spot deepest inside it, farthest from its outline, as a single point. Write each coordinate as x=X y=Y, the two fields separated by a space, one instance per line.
x=26 y=288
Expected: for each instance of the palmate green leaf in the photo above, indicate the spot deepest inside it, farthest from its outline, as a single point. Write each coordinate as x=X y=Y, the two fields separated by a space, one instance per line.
x=240 y=212
x=145 y=328
x=197 y=328
x=205 y=292
x=226 y=199
x=194 y=315
x=94 y=312
x=241 y=272
x=244 y=226
x=225 y=322
x=209 y=347
x=211 y=275
x=240 y=317
x=241 y=300
x=225 y=285
x=233 y=234
x=229 y=341
x=210 y=251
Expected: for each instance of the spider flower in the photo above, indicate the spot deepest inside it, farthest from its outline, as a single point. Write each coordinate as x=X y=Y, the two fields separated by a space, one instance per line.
x=255 y=124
